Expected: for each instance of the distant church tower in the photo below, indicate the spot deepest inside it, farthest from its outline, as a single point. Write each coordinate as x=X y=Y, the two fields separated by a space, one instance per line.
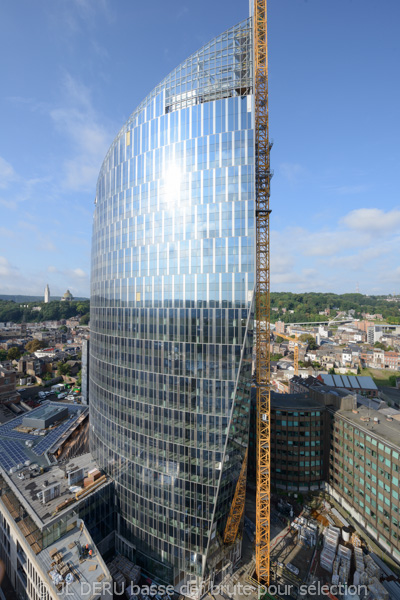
x=47 y=294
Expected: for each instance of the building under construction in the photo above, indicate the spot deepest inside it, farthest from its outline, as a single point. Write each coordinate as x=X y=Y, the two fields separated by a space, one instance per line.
x=182 y=222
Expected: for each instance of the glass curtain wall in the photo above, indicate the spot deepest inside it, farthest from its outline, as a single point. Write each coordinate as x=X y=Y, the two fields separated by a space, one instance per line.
x=173 y=261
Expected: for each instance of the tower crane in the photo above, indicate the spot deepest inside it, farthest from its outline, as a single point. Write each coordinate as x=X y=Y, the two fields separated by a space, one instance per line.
x=262 y=292
x=297 y=343
x=262 y=309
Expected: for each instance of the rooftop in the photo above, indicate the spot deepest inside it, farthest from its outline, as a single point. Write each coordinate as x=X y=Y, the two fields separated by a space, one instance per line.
x=27 y=489
x=21 y=445
x=384 y=422
x=84 y=572
x=300 y=401
x=350 y=381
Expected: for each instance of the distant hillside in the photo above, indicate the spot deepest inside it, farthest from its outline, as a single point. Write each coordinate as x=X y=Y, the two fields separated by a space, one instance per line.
x=24 y=312
x=298 y=308
x=18 y=299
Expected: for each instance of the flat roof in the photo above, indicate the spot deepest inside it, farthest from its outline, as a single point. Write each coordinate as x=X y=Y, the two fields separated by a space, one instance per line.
x=85 y=572
x=6 y=414
x=14 y=435
x=45 y=411
x=302 y=401
x=26 y=490
x=388 y=430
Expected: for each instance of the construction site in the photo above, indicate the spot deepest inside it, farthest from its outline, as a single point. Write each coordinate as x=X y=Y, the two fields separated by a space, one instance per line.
x=304 y=527
x=289 y=550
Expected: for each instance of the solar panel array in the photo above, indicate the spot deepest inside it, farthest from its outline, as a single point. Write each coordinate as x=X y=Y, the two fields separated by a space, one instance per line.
x=11 y=454
x=7 y=430
x=46 y=442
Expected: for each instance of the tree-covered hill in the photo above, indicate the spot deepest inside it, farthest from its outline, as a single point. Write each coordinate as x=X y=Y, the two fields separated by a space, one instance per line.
x=307 y=306
x=52 y=311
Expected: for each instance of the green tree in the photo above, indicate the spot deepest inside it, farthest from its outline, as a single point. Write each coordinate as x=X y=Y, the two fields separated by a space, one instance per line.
x=63 y=369
x=392 y=380
x=276 y=357
x=34 y=345
x=84 y=320
x=3 y=354
x=63 y=328
x=310 y=340
x=13 y=353
x=278 y=339
x=79 y=378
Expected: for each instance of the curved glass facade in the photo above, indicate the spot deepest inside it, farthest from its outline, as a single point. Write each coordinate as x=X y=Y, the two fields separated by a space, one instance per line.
x=172 y=287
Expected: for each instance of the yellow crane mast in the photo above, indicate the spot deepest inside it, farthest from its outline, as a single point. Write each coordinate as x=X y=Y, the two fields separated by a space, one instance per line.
x=262 y=309
x=237 y=508
x=297 y=343
x=262 y=293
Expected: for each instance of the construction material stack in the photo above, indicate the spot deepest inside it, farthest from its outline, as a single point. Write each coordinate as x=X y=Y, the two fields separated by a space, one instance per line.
x=371 y=568
x=328 y=554
x=344 y=554
x=307 y=532
x=123 y=572
x=360 y=577
x=376 y=591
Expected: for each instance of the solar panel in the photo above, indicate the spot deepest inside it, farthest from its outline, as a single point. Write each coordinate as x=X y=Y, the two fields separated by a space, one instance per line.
x=11 y=454
x=46 y=443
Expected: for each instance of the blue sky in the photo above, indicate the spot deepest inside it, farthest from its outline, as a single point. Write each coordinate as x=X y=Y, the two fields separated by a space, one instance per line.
x=72 y=71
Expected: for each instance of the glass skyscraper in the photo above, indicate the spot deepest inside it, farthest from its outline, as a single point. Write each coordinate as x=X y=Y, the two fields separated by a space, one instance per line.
x=173 y=274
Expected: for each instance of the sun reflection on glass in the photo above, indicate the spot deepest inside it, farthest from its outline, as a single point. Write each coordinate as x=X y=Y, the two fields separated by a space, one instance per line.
x=172 y=184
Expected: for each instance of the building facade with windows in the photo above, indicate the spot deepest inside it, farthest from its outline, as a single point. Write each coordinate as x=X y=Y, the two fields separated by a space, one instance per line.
x=173 y=269
x=364 y=471
x=299 y=445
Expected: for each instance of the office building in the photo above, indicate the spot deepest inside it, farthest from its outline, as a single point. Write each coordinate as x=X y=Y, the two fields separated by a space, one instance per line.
x=364 y=470
x=172 y=311
x=299 y=446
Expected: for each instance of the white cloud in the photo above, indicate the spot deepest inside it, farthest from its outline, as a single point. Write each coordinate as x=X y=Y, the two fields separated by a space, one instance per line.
x=89 y=138
x=345 y=190
x=6 y=269
x=79 y=273
x=4 y=232
x=372 y=220
x=293 y=172
x=334 y=258
x=7 y=173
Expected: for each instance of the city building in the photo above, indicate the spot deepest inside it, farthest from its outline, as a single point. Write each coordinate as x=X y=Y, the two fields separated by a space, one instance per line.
x=8 y=383
x=172 y=286
x=299 y=446
x=364 y=470
x=361 y=385
x=47 y=294
x=52 y=504
x=374 y=334
x=67 y=297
